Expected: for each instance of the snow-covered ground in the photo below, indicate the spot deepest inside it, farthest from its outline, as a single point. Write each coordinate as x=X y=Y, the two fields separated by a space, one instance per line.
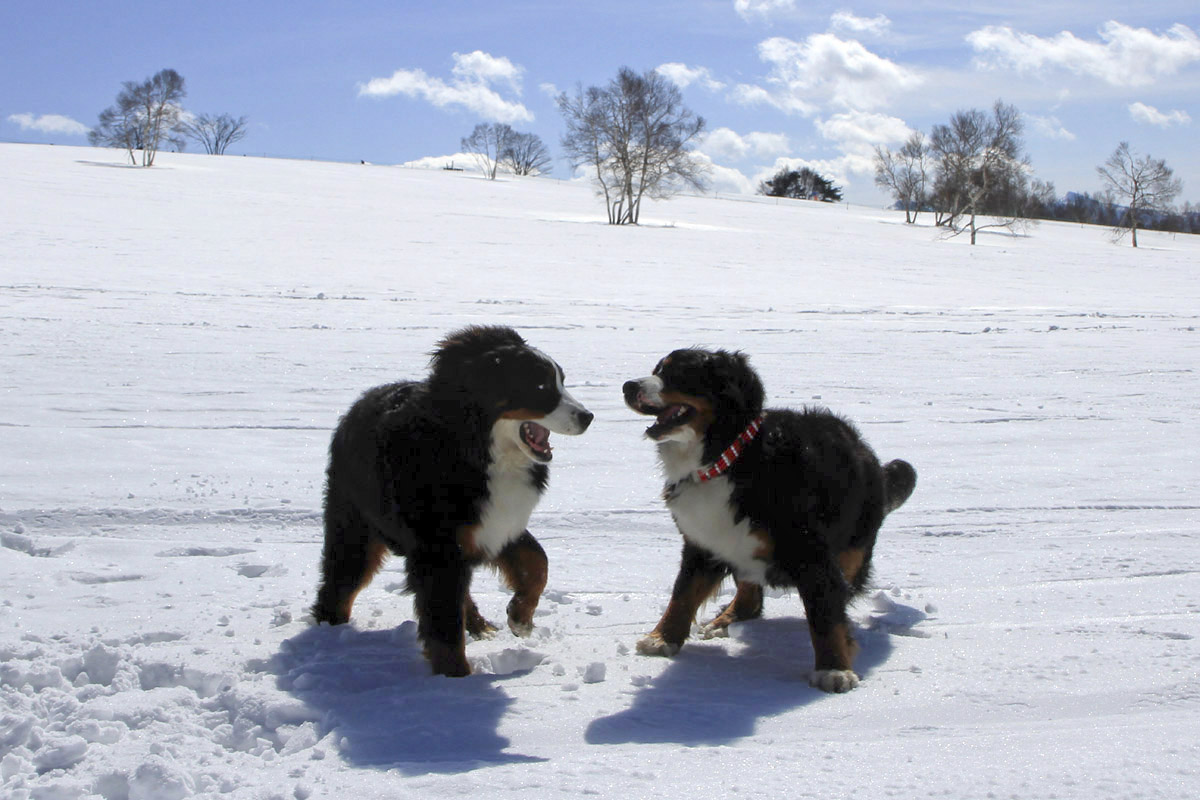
x=177 y=343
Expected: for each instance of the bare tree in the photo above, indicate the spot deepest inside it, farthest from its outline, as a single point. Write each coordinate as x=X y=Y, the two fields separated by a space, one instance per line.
x=487 y=144
x=1146 y=185
x=214 y=133
x=146 y=115
x=526 y=154
x=638 y=136
x=980 y=170
x=905 y=174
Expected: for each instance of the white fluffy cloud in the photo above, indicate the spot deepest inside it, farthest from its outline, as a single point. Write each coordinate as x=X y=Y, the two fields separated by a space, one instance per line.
x=749 y=9
x=471 y=87
x=858 y=132
x=1124 y=56
x=50 y=123
x=1049 y=127
x=826 y=68
x=684 y=76
x=848 y=22
x=1149 y=115
x=728 y=145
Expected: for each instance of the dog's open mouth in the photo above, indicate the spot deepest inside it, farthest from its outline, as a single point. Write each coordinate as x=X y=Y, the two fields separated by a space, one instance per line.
x=537 y=439
x=669 y=418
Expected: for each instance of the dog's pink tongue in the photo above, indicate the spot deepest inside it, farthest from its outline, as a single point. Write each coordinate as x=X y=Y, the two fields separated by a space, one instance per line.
x=668 y=413
x=538 y=437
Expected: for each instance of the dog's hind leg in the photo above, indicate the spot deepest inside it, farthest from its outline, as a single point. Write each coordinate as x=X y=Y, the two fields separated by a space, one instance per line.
x=440 y=594
x=349 y=560
x=747 y=604
x=525 y=568
x=825 y=593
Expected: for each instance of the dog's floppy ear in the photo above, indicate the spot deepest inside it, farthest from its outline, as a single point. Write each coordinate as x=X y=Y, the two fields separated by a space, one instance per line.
x=740 y=387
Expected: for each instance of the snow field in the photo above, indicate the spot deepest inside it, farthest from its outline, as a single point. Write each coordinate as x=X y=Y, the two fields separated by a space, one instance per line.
x=179 y=342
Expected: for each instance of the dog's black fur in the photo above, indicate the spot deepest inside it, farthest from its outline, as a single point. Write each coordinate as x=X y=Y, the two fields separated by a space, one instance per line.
x=800 y=507
x=445 y=472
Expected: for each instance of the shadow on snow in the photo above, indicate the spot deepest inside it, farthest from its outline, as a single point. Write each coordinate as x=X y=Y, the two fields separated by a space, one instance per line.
x=374 y=688
x=715 y=693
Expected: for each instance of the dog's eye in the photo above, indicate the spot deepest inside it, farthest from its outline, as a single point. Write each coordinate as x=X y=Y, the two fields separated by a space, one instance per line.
x=541 y=387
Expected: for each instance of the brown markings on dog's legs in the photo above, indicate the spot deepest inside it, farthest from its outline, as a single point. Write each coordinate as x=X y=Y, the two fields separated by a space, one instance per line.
x=347 y=568
x=835 y=648
x=525 y=568
x=699 y=576
x=447 y=659
x=440 y=593
x=676 y=622
x=477 y=626
x=851 y=562
x=747 y=604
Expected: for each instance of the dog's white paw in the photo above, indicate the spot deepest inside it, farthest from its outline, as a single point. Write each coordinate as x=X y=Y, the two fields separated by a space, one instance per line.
x=522 y=629
x=654 y=645
x=711 y=631
x=833 y=680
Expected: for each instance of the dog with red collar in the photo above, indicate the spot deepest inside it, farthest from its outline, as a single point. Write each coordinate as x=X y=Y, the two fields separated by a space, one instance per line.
x=774 y=498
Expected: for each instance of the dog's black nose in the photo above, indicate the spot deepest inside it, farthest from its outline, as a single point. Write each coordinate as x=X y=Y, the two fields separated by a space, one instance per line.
x=585 y=418
x=631 y=389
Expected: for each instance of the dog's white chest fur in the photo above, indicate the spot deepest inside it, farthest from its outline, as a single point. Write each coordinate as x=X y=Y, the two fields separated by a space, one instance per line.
x=705 y=516
x=512 y=497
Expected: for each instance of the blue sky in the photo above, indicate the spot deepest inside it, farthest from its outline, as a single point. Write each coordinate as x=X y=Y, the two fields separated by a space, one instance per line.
x=780 y=82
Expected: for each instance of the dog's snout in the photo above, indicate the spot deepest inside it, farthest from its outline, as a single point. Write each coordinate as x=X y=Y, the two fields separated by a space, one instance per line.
x=584 y=417
x=632 y=389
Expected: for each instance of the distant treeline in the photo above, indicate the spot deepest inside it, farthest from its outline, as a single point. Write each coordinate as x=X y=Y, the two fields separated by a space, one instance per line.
x=1090 y=209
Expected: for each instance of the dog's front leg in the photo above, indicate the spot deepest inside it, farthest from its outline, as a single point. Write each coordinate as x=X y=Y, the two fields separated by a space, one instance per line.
x=699 y=576
x=747 y=604
x=524 y=566
x=439 y=584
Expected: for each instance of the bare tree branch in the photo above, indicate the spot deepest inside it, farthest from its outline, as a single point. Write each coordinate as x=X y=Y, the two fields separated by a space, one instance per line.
x=214 y=133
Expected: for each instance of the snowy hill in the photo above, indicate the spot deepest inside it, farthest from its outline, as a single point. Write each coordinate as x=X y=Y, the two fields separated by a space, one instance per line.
x=179 y=342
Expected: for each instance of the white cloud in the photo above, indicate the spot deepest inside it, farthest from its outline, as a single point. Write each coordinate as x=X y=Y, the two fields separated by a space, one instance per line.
x=684 y=76
x=1149 y=115
x=1125 y=56
x=458 y=161
x=725 y=179
x=50 y=123
x=727 y=145
x=826 y=68
x=748 y=9
x=474 y=73
x=549 y=89
x=1050 y=127
x=858 y=132
x=481 y=67
x=848 y=22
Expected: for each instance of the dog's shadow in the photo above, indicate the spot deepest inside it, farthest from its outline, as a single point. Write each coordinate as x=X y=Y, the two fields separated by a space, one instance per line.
x=715 y=693
x=374 y=690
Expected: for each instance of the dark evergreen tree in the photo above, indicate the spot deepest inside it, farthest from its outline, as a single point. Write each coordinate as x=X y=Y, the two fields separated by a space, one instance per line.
x=801 y=184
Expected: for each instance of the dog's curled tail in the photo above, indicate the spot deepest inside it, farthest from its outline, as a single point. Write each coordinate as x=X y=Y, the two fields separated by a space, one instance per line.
x=899 y=480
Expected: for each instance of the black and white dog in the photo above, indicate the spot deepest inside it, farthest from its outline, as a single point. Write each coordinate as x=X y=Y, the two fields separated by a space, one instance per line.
x=776 y=498
x=446 y=472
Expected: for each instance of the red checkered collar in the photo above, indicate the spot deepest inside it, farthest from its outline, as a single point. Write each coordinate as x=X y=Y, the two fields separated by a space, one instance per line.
x=723 y=463
x=731 y=453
